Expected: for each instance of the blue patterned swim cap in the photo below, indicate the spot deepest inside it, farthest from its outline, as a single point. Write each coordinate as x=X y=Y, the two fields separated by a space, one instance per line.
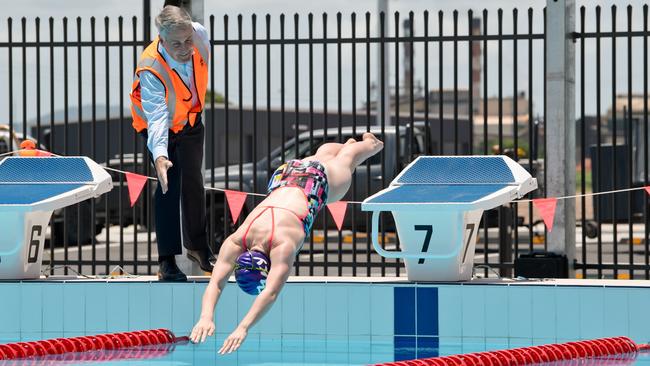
x=251 y=269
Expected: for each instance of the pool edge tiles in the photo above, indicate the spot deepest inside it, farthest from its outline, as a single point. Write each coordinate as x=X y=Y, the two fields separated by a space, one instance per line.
x=391 y=311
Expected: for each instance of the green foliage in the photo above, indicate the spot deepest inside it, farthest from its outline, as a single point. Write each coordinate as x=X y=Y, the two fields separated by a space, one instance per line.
x=587 y=181
x=217 y=97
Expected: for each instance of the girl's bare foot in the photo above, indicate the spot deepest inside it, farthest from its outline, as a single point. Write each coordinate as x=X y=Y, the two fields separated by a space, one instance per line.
x=376 y=144
x=350 y=141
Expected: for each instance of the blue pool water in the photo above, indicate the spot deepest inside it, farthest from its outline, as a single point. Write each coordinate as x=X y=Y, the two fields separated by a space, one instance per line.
x=299 y=350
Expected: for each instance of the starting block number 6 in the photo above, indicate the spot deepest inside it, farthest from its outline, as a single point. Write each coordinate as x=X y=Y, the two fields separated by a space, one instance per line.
x=34 y=244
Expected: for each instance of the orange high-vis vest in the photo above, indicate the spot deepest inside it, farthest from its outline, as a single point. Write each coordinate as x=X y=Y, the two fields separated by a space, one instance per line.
x=177 y=95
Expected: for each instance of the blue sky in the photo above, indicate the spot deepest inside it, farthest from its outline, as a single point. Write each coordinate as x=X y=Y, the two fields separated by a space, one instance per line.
x=114 y=8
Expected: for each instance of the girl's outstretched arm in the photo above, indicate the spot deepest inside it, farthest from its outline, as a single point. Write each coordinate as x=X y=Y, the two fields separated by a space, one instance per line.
x=282 y=258
x=222 y=269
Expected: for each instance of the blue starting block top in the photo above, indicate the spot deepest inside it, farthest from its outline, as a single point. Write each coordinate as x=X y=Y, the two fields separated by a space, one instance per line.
x=32 y=182
x=470 y=182
x=457 y=170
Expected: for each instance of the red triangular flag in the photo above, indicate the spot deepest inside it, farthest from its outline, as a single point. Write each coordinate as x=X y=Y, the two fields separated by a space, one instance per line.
x=546 y=207
x=135 y=183
x=337 y=209
x=236 y=202
x=647 y=189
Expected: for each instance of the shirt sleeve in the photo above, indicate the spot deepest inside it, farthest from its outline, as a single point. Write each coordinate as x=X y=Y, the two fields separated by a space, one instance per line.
x=156 y=112
x=203 y=34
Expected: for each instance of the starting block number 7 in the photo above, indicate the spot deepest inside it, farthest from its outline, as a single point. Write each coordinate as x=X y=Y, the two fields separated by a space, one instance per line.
x=427 y=239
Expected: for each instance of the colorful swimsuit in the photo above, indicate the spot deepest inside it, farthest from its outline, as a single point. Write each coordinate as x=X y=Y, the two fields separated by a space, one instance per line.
x=311 y=178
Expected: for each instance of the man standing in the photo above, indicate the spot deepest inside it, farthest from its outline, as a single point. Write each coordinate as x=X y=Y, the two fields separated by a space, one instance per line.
x=168 y=96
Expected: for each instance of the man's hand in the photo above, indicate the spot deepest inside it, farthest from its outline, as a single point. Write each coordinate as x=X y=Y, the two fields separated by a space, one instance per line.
x=234 y=341
x=162 y=165
x=203 y=328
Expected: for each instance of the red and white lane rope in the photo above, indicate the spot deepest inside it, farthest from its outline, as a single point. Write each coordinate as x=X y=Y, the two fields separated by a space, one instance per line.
x=112 y=341
x=613 y=348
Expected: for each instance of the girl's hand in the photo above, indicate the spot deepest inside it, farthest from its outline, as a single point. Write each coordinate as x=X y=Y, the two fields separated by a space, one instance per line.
x=234 y=341
x=202 y=329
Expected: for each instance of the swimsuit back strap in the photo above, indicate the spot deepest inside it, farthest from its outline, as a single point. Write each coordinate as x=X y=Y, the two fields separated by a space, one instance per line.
x=272 y=223
x=272 y=229
x=251 y=224
x=286 y=209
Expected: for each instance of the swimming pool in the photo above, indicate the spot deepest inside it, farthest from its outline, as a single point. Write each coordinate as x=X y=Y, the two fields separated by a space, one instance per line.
x=335 y=321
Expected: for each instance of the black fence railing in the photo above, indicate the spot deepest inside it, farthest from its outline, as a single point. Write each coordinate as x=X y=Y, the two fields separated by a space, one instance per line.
x=613 y=143
x=475 y=86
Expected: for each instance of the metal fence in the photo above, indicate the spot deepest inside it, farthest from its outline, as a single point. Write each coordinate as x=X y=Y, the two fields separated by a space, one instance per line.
x=284 y=93
x=615 y=142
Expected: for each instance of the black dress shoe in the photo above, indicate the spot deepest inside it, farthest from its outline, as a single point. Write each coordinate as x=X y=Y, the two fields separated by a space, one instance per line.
x=169 y=271
x=203 y=258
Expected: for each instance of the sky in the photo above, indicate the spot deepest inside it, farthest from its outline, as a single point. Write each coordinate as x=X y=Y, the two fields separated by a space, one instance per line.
x=109 y=72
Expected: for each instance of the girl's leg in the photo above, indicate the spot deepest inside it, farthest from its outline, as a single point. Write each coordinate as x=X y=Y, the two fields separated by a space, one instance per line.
x=341 y=167
x=356 y=153
x=329 y=150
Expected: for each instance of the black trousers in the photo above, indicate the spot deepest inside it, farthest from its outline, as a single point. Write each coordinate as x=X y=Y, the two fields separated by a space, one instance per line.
x=185 y=189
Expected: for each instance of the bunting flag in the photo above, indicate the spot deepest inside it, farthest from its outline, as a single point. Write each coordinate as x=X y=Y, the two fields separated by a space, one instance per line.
x=236 y=202
x=135 y=183
x=337 y=209
x=647 y=189
x=546 y=207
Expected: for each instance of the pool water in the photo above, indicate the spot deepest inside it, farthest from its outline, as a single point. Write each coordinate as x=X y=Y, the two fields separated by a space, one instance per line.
x=298 y=350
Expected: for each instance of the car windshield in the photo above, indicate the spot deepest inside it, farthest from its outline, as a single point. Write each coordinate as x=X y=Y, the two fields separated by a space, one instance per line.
x=303 y=149
x=290 y=152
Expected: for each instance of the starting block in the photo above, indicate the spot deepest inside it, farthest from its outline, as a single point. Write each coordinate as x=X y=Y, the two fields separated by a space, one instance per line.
x=31 y=188
x=437 y=203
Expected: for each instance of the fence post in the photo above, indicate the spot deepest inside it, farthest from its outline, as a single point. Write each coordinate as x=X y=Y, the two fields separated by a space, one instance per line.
x=197 y=9
x=382 y=73
x=560 y=124
x=146 y=21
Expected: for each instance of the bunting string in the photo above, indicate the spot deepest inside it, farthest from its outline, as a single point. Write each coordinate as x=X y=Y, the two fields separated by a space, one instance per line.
x=210 y=188
x=359 y=202
x=584 y=194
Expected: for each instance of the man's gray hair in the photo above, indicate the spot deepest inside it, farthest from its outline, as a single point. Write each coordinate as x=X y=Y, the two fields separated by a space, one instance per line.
x=170 y=18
